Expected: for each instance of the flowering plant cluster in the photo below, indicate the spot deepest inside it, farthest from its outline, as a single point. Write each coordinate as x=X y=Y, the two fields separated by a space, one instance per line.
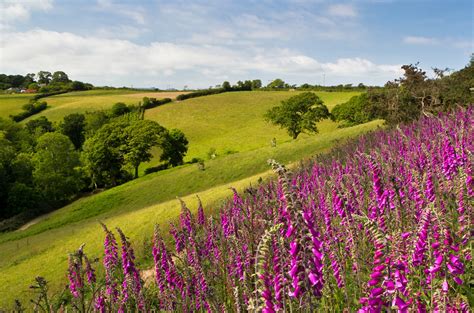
x=381 y=223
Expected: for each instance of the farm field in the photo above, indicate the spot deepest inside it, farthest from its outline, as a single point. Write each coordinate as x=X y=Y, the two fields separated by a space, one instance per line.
x=233 y=122
x=137 y=205
x=10 y=104
x=92 y=100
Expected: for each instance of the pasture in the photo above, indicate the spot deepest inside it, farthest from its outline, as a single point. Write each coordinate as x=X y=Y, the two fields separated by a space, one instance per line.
x=136 y=206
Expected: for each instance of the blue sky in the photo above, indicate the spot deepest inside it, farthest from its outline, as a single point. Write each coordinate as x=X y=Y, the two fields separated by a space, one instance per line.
x=156 y=43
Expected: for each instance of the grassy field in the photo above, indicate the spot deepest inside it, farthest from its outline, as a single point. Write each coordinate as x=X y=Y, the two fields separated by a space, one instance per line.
x=10 y=104
x=93 y=100
x=42 y=249
x=208 y=122
x=232 y=122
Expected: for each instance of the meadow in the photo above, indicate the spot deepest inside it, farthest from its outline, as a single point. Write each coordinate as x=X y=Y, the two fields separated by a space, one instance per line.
x=11 y=104
x=93 y=100
x=42 y=246
x=379 y=224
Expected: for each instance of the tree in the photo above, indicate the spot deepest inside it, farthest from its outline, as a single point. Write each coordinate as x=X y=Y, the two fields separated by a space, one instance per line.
x=77 y=85
x=39 y=126
x=355 y=111
x=174 y=146
x=94 y=121
x=140 y=137
x=73 y=126
x=60 y=77
x=119 y=109
x=256 y=84
x=226 y=86
x=299 y=114
x=277 y=83
x=44 y=77
x=55 y=172
x=102 y=156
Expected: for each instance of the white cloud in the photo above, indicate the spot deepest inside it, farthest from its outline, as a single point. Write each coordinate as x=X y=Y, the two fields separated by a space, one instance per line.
x=419 y=40
x=121 y=62
x=342 y=10
x=20 y=10
x=133 y=12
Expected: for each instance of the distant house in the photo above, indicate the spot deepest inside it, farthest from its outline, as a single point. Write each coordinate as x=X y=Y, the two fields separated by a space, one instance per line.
x=13 y=90
x=31 y=91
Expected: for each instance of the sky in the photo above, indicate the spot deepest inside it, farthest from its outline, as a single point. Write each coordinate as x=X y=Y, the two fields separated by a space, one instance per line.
x=176 y=43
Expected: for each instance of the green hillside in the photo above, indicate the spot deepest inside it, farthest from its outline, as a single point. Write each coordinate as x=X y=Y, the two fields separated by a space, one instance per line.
x=93 y=100
x=42 y=248
x=10 y=104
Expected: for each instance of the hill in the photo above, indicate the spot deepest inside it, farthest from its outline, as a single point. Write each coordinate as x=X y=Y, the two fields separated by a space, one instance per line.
x=42 y=248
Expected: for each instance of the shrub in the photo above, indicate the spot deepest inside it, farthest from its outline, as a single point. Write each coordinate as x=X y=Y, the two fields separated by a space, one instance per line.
x=29 y=109
x=200 y=93
x=355 y=111
x=157 y=168
x=149 y=103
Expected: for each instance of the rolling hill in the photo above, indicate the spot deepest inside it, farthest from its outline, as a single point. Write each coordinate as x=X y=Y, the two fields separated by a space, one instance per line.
x=231 y=123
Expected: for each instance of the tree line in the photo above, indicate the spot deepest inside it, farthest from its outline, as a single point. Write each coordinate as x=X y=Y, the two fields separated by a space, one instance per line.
x=45 y=165
x=43 y=82
x=412 y=95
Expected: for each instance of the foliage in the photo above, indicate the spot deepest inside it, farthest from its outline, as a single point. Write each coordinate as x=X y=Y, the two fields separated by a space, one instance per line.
x=73 y=126
x=39 y=126
x=102 y=157
x=299 y=114
x=55 y=170
x=353 y=112
x=141 y=136
x=277 y=84
x=200 y=93
x=119 y=109
x=30 y=109
x=118 y=144
x=174 y=146
x=149 y=103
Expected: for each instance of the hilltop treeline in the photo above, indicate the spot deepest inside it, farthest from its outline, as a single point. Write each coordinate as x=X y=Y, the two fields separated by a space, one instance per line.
x=43 y=82
x=44 y=165
x=407 y=98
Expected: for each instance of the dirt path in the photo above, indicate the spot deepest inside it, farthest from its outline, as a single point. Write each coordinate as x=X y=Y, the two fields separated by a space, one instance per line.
x=34 y=221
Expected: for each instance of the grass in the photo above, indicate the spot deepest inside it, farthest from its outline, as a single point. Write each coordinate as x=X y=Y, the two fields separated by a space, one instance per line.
x=231 y=122
x=93 y=100
x=42 y=249
x=11 y=104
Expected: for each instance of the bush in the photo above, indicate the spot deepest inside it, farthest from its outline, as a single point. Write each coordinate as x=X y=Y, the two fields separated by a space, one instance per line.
x=157 y=168
x=149 y=103
x=120 y=109
x=355 y=111
x=29 y=109
x=47 y=94
x=200 y=93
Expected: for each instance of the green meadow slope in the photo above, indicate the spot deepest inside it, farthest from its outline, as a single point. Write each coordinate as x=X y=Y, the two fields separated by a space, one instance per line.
x=136 y=206
x=11 y=104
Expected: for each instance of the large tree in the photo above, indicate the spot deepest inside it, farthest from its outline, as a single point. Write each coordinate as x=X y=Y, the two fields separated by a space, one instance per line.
x=299 y=114
x=140 y=137
x=60 y=77
x=44 y=77
x=102 y=156
x=56 y=164
x=73 y=126
x=174 y=146
x=277 y=83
